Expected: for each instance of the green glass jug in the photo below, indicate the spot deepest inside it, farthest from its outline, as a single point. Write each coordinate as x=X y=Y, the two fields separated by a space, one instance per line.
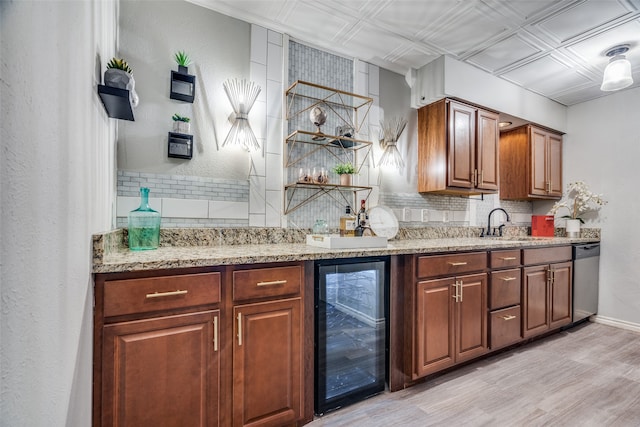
x=144 y=225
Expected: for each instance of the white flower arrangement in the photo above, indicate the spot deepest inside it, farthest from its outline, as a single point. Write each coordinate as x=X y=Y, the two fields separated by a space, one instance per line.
x=583 y=201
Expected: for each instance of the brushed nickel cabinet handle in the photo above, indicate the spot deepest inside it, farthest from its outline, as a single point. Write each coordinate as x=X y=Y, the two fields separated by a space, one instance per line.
x=508 y=258
x=461 y=289
x=239 y=329
x=481 y=180
x=215 y=333
x=457 y=264
x=166 y=294
x=509 y=317
x=508 y=279
x=275 y=282
x=456 y=296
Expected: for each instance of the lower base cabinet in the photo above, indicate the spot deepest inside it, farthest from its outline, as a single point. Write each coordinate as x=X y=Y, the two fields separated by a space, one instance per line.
x=450 y=323
x=546 y=298
x=161 y=371
x=267 y=363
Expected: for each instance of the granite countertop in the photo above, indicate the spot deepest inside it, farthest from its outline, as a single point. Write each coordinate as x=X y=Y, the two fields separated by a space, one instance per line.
x=111 y=256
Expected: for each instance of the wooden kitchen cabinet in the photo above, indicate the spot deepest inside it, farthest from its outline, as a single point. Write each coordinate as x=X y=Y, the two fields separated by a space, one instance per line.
x=157 y=350
x=450 y=313
x=457 y=149
x=196 y=347
x=267 y=363
x=531 y=164
x=163 y=371
x=546 y=292
x=505 y=298
x=268 y=345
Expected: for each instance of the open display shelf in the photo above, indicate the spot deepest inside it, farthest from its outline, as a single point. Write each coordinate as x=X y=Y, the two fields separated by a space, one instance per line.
x=346 y=109
x=335 y=191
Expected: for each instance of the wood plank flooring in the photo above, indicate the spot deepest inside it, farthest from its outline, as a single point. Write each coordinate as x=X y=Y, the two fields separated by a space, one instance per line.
x=586 y=376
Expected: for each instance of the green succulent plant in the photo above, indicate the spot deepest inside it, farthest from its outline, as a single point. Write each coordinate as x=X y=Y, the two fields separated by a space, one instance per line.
x=344 y=168
x=182 y=58
x=119 y=64
x=178 y=118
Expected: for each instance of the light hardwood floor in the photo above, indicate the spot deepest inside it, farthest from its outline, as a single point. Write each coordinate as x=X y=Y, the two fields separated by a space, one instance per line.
x=585 y=376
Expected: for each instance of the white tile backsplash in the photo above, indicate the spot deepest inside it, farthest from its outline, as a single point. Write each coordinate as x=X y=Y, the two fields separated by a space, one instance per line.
x=234 y=210
x=184 y=208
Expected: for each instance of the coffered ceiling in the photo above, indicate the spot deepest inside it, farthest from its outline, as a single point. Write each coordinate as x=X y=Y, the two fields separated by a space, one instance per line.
x=555 y=48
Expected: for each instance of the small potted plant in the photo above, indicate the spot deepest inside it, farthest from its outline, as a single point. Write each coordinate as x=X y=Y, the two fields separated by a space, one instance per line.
x=119 y=74
x=345 y=170
x=583 y=201
x=181 y=124
x=183 y=61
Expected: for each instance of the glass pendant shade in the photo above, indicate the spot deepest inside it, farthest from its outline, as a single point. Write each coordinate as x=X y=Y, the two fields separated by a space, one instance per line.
x=617 y=75
x=242 y=95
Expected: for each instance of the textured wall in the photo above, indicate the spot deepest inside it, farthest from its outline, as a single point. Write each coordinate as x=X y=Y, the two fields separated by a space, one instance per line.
x=57 y=186
x=602 y=148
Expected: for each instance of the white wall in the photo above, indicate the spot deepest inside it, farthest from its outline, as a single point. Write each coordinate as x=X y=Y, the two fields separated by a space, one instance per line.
x=219 y=46
x=602 y=148
x=57 y=166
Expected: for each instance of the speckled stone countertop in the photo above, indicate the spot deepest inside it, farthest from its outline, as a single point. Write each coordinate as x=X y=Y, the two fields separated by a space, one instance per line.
x=182 y=248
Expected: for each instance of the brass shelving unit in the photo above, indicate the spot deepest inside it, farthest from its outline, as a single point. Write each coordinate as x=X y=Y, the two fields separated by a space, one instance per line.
x=351 y=110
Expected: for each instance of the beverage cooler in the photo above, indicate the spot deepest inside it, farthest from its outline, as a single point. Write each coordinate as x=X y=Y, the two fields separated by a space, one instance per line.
x=351 y=330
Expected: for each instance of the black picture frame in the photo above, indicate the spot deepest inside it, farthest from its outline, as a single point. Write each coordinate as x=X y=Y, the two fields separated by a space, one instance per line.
x=180 y=145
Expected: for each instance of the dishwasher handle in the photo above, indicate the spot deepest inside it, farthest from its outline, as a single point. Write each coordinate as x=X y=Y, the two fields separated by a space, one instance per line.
x=586 y=251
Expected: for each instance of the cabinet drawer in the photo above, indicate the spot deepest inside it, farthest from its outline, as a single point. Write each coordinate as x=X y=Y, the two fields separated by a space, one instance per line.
x=546 y=255
x=503 y=259
x=267 y=282
x=505 y=327
x=505 y=288
x=441 y=265
x=160 y=293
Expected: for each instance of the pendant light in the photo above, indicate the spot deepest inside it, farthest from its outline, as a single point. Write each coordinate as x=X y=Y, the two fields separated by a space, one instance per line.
x=617 y=75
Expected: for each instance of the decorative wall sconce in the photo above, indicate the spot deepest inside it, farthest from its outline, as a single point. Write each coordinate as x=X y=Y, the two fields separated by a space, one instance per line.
x=242 y=94
x=617 y=75
x=389 y=135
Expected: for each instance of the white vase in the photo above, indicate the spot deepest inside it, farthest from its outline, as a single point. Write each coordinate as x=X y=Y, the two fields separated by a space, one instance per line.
x=573 y=227
x=182 y=127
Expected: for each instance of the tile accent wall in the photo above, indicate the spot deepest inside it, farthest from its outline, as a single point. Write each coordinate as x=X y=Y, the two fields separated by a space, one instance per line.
x=185 y=201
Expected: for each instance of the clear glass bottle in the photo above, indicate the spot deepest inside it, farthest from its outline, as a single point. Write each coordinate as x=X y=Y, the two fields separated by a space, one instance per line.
x=347 y=223
x=144 y=225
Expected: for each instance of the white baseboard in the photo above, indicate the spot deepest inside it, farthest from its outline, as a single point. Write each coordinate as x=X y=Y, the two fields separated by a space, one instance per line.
x=622 y=324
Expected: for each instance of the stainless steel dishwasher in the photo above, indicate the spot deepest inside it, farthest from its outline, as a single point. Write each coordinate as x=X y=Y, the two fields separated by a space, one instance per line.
x=586 y=270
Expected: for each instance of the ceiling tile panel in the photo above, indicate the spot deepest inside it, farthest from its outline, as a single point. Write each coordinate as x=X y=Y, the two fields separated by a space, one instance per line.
x=504 y=53
x=471 y=27
x=323 y=26
x=584 y=17
x=529 y=8
x=592 y=50
x=372 y=41
x=409 y=18
x=547 y=76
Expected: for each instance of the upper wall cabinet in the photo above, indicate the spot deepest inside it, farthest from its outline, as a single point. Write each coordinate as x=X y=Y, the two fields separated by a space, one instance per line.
x=457 y=149
x=531 y=164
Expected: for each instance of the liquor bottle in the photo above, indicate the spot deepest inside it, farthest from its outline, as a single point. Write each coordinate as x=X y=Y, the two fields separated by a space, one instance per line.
x=347 y=223
x=362 y=219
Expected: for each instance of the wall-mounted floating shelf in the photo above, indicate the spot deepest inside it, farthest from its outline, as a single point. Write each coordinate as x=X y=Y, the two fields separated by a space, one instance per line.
x=116 y=102
x=180 y=145
x=340 y=147
x=183 y=86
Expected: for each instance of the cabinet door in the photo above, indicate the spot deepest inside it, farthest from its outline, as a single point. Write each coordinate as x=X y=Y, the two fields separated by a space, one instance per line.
x=267 y=363
x=560 y=293
x=487 y=162
x=538 y=152
x=162 y=371
x=461 y=145
x=554 y=165
x=471 y=317
x=434 y=344
x=535 y=317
